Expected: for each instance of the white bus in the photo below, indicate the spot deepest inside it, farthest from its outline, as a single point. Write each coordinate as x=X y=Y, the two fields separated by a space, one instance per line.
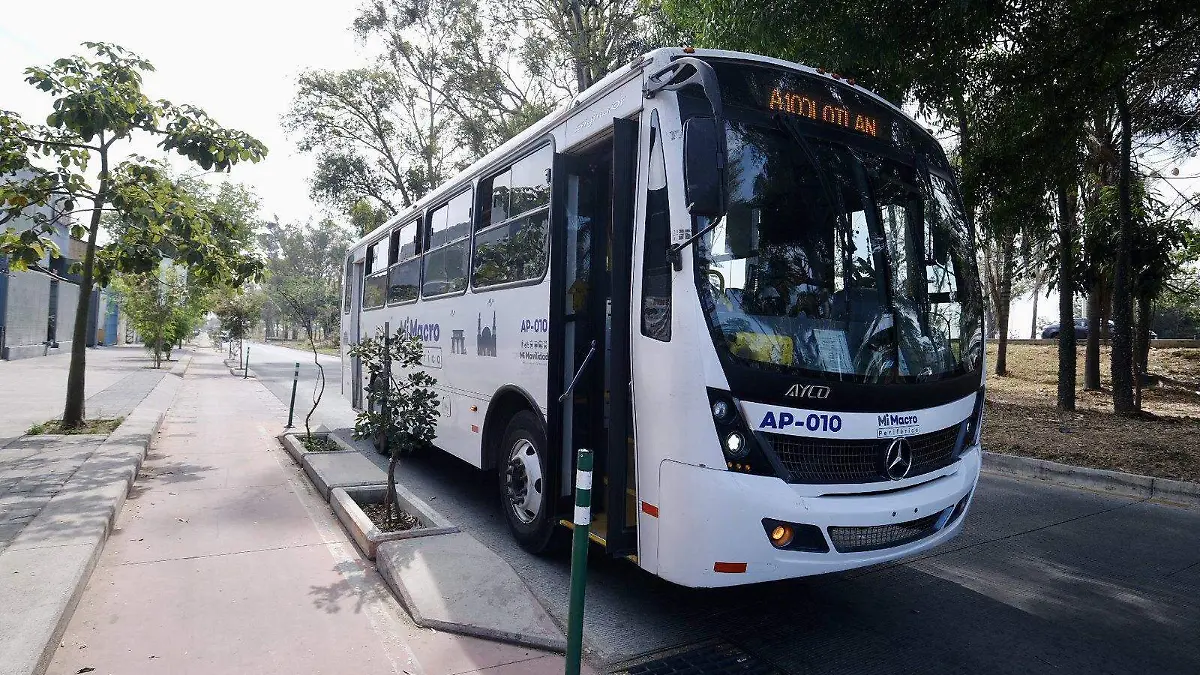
x=759 y=278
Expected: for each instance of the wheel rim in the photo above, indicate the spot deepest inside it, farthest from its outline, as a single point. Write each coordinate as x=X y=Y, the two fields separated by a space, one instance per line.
x=523 y=484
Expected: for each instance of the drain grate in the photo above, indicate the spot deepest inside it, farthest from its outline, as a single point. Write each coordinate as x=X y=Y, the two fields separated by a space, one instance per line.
x=709 y=659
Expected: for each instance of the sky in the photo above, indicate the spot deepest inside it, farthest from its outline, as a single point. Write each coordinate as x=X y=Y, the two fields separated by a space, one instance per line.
x=238 y=60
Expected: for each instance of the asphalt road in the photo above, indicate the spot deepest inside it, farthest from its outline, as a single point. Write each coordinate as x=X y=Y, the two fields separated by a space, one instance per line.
x=1042 y=579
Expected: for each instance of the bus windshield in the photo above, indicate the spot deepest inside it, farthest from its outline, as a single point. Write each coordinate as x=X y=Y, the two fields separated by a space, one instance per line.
x=838 y=262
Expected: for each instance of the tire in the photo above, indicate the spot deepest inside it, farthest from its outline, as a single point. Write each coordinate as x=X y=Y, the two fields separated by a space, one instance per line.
x=528 y=483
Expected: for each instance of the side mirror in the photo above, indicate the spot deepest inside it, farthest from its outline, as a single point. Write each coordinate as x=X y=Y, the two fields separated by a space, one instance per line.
x=702 y=167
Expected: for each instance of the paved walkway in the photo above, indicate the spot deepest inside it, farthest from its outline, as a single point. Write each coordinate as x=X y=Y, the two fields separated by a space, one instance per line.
x=34 y=468
x=224 y=560
x=33 y=390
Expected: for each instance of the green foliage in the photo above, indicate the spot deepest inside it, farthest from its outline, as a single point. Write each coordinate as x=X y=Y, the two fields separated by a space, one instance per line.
x=404 y=404
x=209 y=234
x=238 y=310
x=98 y=102
x=364 y=218
x=162 y=307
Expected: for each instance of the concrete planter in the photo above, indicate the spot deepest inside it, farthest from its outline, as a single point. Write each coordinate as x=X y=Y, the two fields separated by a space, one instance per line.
x=346 y=500
x=292 y=443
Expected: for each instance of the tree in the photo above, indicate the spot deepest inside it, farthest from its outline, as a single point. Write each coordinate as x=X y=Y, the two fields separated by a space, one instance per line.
x=364 y=218
x=98 y=103
x=453 y=79
x=351 y=120
x=589 y=39
x=402 y=407
x=307 y=263
x=238 y=310
x=162 y=307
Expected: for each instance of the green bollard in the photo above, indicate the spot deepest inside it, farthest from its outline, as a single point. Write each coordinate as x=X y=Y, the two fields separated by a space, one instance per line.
x=246 y=372
x=579 y=551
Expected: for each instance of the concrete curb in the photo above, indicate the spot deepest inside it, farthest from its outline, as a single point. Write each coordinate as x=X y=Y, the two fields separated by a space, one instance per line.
x=181 y=366
x=1177 y=492
x=345 y=503
x=45 y=569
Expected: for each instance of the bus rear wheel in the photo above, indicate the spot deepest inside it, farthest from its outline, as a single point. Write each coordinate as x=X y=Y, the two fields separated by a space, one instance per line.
x=527 y=485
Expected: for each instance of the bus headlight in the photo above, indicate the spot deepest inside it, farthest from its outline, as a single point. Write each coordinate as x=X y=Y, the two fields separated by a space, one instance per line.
x=721 y=410
x=735 y=446
x=741 y=447
x=973 y=425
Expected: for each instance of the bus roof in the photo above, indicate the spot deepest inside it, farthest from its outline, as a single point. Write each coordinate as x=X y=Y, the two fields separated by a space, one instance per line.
x=661 y=56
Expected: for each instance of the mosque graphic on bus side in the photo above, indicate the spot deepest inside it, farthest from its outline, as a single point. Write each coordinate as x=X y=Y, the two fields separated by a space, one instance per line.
x=485 y=338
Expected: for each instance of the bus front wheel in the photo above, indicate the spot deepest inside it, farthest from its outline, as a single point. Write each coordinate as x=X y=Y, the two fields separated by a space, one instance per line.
x=527 y=482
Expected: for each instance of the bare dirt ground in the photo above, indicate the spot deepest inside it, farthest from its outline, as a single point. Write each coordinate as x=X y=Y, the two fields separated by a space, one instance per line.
x=1022 y=419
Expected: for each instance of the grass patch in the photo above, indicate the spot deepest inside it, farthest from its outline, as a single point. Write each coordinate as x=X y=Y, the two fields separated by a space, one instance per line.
x=55 y=427
x=319 y=444
x=328 y=349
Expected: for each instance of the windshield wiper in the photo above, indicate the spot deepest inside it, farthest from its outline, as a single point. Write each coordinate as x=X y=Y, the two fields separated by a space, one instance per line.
x=675 y=251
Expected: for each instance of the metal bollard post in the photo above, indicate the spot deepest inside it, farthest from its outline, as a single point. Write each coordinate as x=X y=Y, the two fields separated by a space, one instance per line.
x=246 y=372
x=579 y=550
x=292 y=405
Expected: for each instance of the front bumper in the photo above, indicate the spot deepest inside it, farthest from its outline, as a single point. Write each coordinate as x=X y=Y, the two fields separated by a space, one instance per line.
x=709 y=516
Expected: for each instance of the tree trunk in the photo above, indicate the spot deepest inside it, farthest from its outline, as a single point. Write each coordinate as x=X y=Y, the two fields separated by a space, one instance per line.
x=319 y=387
x=1141 y=346
x=1003 y=306
x=1091 y=356
x=1037 y=290
x=73 y=410
x=1122 y=345
x=1066 y=305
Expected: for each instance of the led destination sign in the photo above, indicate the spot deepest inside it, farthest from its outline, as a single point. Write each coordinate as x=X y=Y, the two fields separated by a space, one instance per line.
x=811 y=99
x=813 y=108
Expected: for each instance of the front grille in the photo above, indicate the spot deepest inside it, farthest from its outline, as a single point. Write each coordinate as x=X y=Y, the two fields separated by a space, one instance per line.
x=875 y=537
x=832 y=460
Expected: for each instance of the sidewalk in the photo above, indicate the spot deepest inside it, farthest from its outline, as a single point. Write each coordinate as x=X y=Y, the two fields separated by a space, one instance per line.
x=34 y=390
x=224 y=560
x=35 y=468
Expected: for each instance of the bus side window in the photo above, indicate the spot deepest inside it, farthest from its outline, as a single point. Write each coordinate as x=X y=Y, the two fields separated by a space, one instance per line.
x=375 y=283
x=510 y=239
x=449 y=227
x=404 y=275
x=656 y=268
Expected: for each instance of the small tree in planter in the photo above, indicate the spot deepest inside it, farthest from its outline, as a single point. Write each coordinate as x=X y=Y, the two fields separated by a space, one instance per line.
x=402 y=408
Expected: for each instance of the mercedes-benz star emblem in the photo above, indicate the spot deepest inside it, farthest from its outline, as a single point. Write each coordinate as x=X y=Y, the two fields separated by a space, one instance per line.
x=897 y=459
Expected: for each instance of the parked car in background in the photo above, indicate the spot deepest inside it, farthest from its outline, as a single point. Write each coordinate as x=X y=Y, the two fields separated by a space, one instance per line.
x=1052 y=331
x=1081 y=330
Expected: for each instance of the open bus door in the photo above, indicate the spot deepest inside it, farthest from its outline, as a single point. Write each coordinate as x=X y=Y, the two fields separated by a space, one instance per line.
x=355 y=334
x=591 y=254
